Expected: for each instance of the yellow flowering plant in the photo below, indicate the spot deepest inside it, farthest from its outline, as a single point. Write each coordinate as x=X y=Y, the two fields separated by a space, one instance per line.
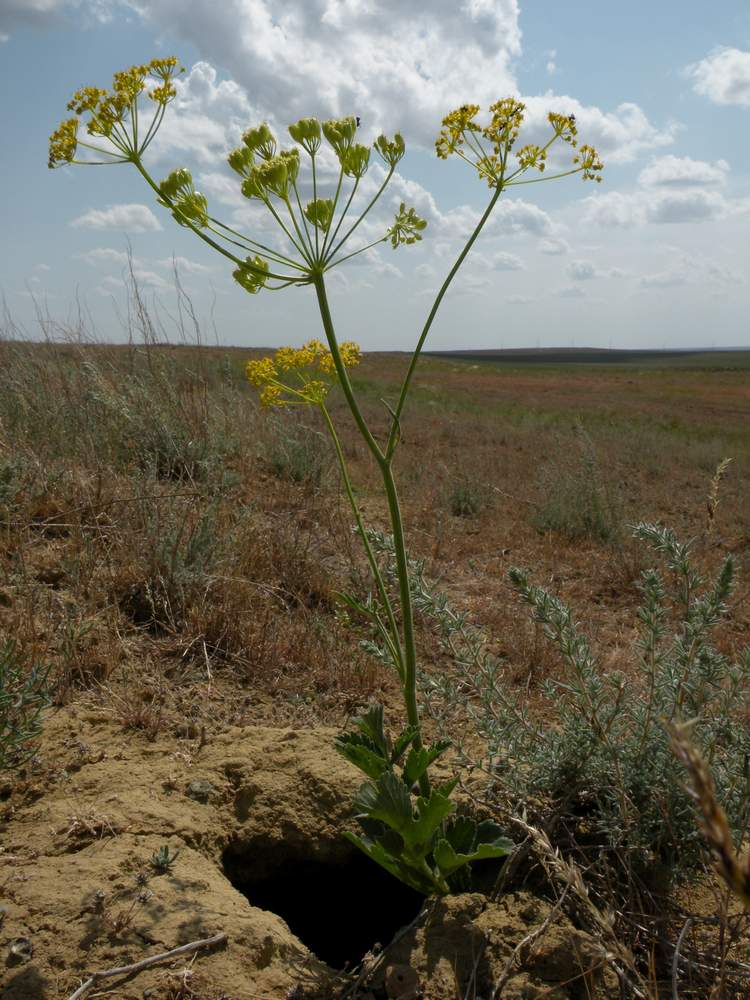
x=408 y=825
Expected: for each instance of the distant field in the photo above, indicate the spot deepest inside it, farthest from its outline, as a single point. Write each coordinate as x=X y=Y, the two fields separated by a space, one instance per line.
x=597 y=356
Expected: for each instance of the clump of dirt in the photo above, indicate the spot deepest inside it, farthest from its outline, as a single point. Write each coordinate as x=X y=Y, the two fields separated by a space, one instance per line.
x=466 y=946
x=250 y=824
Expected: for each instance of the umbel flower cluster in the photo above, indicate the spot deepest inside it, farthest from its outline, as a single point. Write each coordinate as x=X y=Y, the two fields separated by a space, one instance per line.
x=462 y=134
x=295 y=377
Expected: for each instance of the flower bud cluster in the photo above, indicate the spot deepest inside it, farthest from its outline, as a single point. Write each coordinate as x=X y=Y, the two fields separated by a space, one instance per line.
x=179 y=195
x=407 y=227
x=313 y=367
x=390 y=150
x=590 y=164
x=273 y=174
x=320 y=213
x=308 y=134
x=252 y=274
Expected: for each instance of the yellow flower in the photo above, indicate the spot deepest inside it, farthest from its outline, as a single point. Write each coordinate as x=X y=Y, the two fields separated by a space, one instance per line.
x=315 y=391
x=507 y=119
x=260 y=372
x=455 y=124
x=86 y=99
x=350 y=353
x=286 y=359
x=271 y=396
x=589 y=163
x=532 y=156
x=63 y=143
x=564 y=126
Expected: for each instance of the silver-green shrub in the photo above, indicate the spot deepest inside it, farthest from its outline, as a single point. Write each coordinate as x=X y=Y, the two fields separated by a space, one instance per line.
x=597 y=756
x=23 y=696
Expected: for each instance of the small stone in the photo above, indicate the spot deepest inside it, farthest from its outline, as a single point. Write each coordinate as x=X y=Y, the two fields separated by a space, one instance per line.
x=200 y=790
x=401 y=982
x=21 y=950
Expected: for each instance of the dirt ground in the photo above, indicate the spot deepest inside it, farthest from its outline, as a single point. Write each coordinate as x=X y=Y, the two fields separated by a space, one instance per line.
x=202 y=666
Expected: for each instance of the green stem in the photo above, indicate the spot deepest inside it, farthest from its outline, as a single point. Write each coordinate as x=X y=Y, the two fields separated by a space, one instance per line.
x=397 y=526
x=380 y=190
x=393 y=436
x=333 y=214
x=369 y=246
x=315 y=198
x=343 y=375
x=206 y=239
x=394 y=644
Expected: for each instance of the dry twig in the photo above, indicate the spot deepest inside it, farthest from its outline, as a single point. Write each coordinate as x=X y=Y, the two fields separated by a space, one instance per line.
x=125 y=970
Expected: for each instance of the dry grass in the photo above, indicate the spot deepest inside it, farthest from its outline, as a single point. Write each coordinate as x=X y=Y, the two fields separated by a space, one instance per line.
x=175 y=554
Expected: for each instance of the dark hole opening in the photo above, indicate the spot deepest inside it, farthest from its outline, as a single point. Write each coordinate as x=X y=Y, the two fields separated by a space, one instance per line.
x=338 y=906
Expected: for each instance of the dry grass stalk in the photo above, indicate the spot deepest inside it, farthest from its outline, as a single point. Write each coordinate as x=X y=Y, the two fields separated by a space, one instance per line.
x=712 y=500
x=713 y=819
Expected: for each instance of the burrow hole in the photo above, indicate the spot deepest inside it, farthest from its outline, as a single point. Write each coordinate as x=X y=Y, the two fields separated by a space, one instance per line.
x=333 y=897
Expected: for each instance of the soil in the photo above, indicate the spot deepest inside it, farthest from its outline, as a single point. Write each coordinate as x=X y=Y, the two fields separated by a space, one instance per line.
x=254 y=804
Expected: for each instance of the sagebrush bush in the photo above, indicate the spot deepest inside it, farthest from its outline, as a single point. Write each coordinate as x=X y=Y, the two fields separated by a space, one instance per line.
x=578 y=499
x=466 y=496
x=23 y=696
x=294 y=451
x=598 y=756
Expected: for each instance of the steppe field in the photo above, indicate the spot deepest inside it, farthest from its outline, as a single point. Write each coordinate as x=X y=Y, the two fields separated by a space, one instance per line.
x=171 y=563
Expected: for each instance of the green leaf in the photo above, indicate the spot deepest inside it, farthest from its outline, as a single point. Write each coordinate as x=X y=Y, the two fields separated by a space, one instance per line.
x=461 y=834
x=362 y=752
x=355 y=605
x=449 y=861
x=402 y=742
x=418 y=878
x=419 y=760
x=391 y=803
x=430 y=814
x=372 y=725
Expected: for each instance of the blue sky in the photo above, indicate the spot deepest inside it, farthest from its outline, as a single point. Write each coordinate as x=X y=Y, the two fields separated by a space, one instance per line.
x=657 y=255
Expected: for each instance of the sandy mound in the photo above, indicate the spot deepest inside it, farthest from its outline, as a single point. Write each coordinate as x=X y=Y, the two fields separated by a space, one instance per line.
x=260 y=806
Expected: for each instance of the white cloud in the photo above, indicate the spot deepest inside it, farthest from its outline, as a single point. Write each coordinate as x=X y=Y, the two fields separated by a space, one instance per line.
x=582 y=270
x=133 y=217
x=687 y=206
x=104 y=255
x=683 y=171
x=206 y=118
x=723 y=76
x=586 y=270
x=499 y=261
x=663 y=279
x=39 y=13
x=3 y=37
x=620 y=136
x=518 y=300
x=551 y=64
x=554 y=246
x=398 y=66
x=570 y=292
x=657 y=205
x=183 y=264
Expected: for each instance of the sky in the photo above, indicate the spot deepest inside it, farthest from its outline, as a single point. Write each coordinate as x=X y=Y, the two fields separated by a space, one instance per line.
x=655 y=256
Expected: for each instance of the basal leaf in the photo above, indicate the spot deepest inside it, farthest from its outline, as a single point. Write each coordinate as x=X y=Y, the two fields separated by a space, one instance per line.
x=416 y=878
x=430 y=814
x=372 y=725
x=362 y=752
x=402 y=742
x=391 y=803
x=418 y=761
x=449 y=861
